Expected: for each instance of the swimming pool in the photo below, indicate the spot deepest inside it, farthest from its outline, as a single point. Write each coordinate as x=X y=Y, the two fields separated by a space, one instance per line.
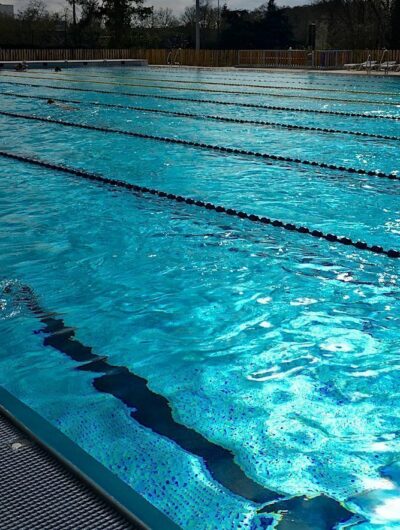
x=215 y=318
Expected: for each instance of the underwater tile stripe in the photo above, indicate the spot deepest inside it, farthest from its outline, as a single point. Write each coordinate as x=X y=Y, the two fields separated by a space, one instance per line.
x=210 y=117
x=206 y=90
x=206 y=101
x=212 y=147
x=153 y=411
x=376 y=249
x=220 y=83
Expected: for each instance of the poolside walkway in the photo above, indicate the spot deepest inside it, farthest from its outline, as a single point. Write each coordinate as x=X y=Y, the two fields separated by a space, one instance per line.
x=37 y=492
x=373 y=73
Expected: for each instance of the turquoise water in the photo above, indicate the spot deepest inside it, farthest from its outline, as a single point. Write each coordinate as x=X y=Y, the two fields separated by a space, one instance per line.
x=280 y=348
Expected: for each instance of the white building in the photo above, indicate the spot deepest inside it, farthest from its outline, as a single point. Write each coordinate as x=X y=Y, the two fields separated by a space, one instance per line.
x=7 y=9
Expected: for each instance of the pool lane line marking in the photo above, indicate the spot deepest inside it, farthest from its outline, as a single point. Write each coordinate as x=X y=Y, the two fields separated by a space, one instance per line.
x=149 y=409
x=153 y=411
x=205 y=101
x=332 y=238
x=267 y=87
x=209 y=147
x=211 y=117
x=209 y=90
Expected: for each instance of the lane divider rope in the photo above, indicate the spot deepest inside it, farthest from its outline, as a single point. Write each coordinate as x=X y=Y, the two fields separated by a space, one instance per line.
x=332 y=238
x=212 y=147
x=273 y=87
x=211 y=117
x=207 y=101
x=272 y=74
x=207 y=90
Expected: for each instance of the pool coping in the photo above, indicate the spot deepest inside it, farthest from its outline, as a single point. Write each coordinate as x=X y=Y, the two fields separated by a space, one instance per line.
x=116 y=492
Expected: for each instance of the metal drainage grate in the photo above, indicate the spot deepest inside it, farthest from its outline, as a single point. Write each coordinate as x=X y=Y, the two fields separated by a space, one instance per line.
x=38 y=493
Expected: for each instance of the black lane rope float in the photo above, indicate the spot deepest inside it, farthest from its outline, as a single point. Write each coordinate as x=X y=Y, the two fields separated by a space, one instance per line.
x=332 y=238
x=153 y=411
x=210 y=117
x=273 y=87
x=212 y=147
x=208 y=90
x=206 y=101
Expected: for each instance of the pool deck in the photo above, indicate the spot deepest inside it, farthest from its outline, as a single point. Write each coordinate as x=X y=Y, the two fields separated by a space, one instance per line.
x=11 y=65
x=49 y=482
x=38 y=492
x=340 y=71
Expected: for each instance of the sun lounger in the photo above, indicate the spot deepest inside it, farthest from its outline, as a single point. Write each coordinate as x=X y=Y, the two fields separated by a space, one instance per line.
x=368 y=65
x=351 y=66
x=388 y=65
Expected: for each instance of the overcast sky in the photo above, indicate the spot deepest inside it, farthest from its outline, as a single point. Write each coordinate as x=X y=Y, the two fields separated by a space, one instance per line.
x=177 y=5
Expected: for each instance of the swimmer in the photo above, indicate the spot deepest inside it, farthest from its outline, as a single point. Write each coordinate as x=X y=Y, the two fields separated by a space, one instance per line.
x=57 y=69
x=60 y=105
x=21 y=67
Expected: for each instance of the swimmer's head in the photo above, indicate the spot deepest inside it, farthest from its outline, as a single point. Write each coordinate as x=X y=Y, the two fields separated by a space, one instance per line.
x=50 y=101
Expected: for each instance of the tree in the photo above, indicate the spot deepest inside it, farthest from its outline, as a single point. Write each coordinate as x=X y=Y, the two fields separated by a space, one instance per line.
x=90 y=11
x=264 y=28
x=89 y=28
x=208 y=22
x=35 y=26
x=395 y=25
x=208 y=15
x=35 y=10
x=119 y=16
x=237 y=30
x=273 y=28
x=163 y=18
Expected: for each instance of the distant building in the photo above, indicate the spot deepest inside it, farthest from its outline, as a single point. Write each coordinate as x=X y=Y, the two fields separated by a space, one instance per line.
x=7 y=10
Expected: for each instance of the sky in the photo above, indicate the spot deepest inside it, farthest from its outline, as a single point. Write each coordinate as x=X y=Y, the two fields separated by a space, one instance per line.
x=177 y=5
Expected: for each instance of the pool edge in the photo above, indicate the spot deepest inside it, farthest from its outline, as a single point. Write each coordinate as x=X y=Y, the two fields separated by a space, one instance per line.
x=119 y=495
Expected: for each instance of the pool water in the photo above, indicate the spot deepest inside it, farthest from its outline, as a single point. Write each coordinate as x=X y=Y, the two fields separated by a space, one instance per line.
x=257 y=369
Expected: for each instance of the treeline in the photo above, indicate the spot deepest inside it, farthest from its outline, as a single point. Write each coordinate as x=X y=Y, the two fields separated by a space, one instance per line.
x=349 y=24
x=340 y=24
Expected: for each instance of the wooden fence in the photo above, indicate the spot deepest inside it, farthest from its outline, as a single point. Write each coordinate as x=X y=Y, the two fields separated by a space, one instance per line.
x=154 y=56
x=319 y=59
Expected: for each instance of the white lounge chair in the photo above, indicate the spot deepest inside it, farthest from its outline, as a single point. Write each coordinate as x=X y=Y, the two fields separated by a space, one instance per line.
x=388 y=65
x=351 y=66
x=368 y=65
